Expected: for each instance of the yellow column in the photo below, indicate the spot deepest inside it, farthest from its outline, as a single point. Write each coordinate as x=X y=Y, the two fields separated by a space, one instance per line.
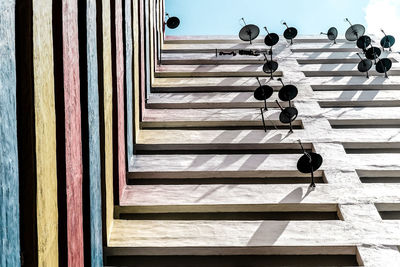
x=107 y=74
x=47 y=212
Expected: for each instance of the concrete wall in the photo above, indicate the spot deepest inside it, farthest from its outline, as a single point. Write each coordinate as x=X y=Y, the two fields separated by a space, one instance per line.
x=70 y=113
x=9 y=179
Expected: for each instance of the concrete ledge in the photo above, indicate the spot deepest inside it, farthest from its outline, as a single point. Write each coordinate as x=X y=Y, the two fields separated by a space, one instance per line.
x=258 y=250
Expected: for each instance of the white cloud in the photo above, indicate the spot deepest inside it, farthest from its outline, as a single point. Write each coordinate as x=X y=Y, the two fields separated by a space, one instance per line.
x=384 y=14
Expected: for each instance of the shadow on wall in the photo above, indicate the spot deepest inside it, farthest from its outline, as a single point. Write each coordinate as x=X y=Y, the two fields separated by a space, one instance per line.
x=269 y=231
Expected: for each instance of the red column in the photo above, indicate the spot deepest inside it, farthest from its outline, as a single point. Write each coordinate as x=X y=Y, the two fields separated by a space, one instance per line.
x=73 y=144
x=119 y=58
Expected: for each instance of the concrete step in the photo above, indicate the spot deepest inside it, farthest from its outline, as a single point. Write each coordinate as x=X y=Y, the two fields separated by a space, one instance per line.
x=212 y=71
x=252 y=197
x=350 y=132
x=213 y=118
x=219 y=100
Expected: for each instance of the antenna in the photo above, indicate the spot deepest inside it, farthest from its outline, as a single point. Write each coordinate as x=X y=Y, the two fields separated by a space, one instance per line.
x=308 y=163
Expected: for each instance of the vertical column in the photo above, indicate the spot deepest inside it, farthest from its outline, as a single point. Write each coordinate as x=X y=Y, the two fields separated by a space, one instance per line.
x=69 y=134
x=36 y=133
x=142 y=57
x=136 y=64
x=147 y=27
x=129 y=78
x=106 y=110
x=73 y=145
x=92 y=216
x=9 y=196
x=118 y=99
x=45 y=136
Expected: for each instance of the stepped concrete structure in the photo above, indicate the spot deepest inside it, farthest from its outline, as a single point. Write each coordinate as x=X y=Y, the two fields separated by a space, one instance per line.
x=208 y=184
x=124 y=147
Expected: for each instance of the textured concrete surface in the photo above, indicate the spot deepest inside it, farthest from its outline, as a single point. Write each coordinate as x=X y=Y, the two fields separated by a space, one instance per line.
x=130 y=81
x=120 y=96
x=136 y=70
x=96 y=245
x=333 y=96
x=73 y=133
x=47 y=210
x=9 y=178
x=108 y=119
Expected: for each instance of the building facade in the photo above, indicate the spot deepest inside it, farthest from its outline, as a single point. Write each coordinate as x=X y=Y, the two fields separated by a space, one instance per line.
x=122 y=147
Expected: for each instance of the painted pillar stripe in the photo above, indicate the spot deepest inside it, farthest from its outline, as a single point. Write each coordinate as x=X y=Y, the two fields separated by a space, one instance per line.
x=119 y=57
x=9 y=192
x=73 y=144
x=152 y=45
x=136 y=53
x=148 y=47
x=108 y=125
x=96 y=244
x=142 y=57
x=129 y=79
x=47 y=212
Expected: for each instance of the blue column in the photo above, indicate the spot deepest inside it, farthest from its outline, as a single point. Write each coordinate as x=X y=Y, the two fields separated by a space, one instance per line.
x=128 y=78
x=9 y=180
x=94 y=137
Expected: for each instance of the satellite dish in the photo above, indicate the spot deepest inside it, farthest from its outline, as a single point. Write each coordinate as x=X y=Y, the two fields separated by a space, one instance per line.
x=387 y=41
x=354 y=32
x=249 y=32
x=271 y=39
x=363 y=42
x=373 y=53
x=365 y=65
x=288 y=115
x=309 y=163
x=290 y=33
x=270 y=66
x=383 y=66
x=287 y=92
x=332 y=34
x=172 y=22
x=263 y=92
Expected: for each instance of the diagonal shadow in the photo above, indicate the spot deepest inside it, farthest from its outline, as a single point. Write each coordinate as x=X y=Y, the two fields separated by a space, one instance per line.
x=269 y=231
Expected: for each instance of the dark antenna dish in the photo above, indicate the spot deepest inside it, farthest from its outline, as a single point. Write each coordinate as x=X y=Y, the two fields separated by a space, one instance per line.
x=172 y=22
x=271 y=39
x=354 y=32
x=363 y=42
x=365 y=65
x=332 y=34
x=373 y=53
x=262 y=93
x=290 y=33
x=249 y=32
x=309 y=163
x=387 y=41
x=383 y=66
x=288 y=115
x=270 y=66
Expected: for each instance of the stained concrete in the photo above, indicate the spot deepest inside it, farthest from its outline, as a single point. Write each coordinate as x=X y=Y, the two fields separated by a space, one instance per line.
x=328 y=92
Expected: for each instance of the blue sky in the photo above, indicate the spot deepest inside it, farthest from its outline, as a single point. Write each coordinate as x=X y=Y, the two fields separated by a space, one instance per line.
x=221 y=17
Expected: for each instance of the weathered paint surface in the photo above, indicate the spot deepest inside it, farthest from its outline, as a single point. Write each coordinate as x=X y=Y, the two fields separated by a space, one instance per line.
x=147 y=45
x=129 y=78
x=94 y=137
x=108 y=142
x=142 y=57
x=47 y=211
x=73 y=144
x=120 y=95
x=136 y=58
x=9 y=192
